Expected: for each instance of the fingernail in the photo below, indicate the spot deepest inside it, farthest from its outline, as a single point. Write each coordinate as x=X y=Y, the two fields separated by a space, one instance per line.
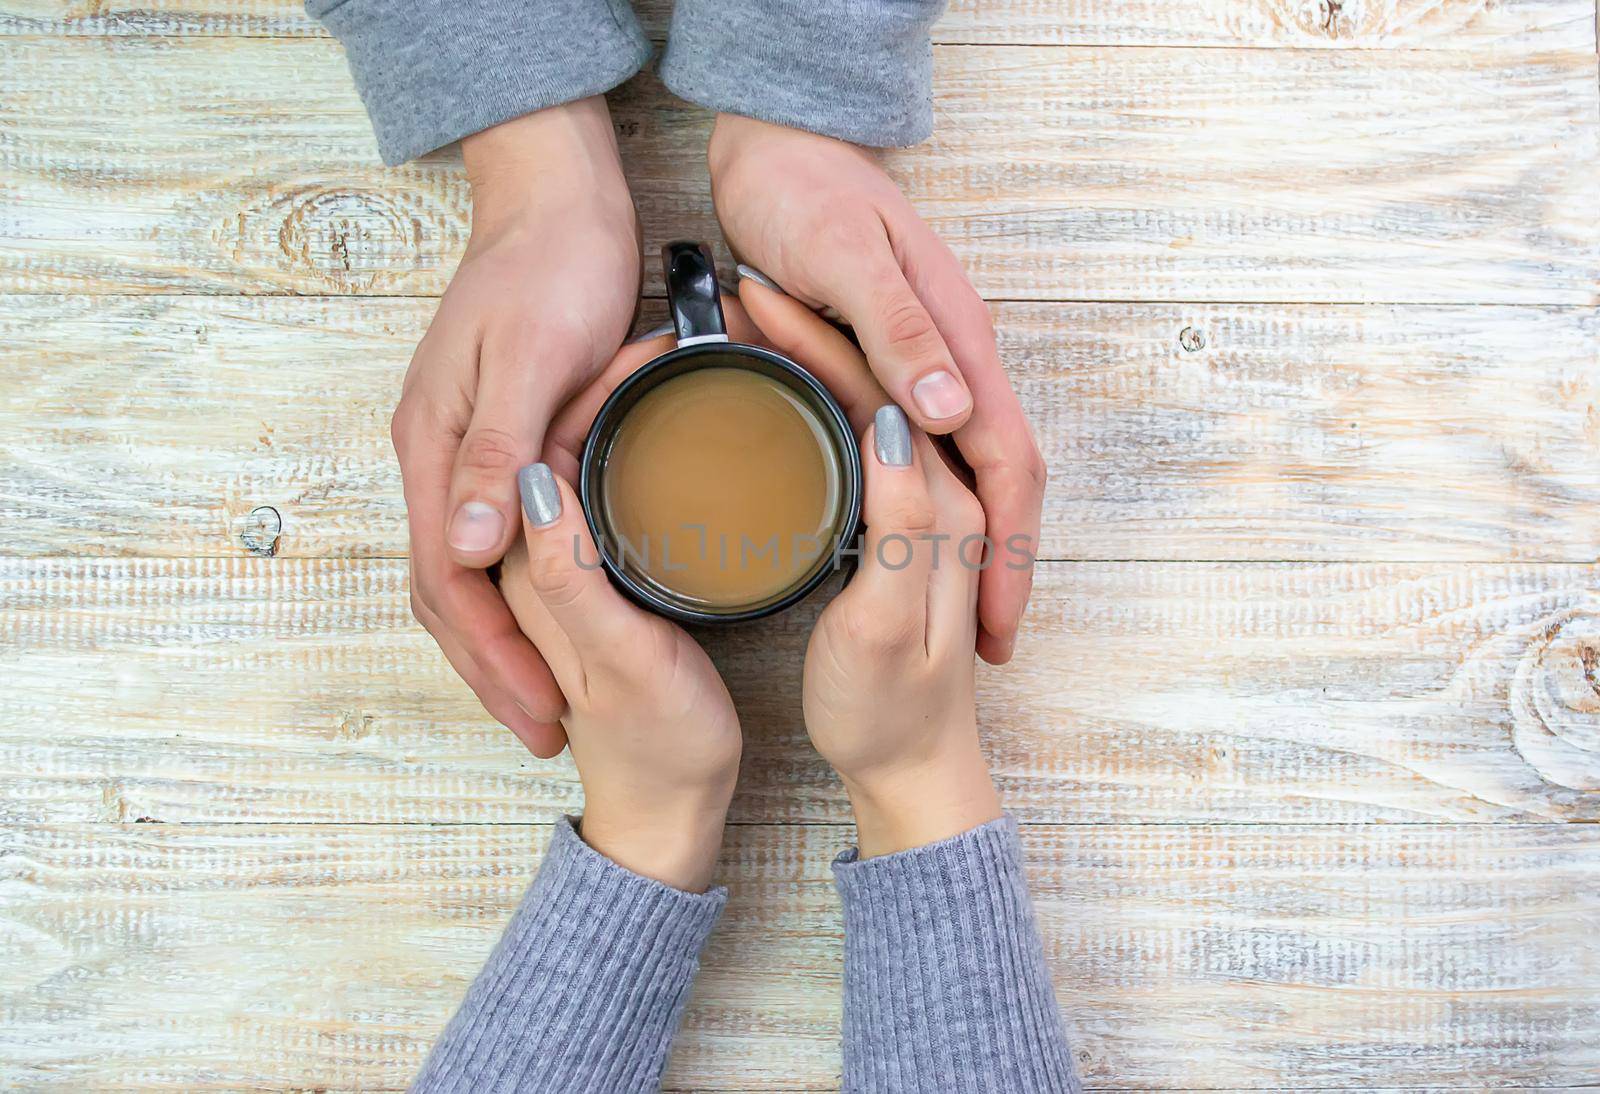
x=657 y=332
x=476 y=527
x=891 y=436
x=541 y=498
x=760 y=278
x=940 y=395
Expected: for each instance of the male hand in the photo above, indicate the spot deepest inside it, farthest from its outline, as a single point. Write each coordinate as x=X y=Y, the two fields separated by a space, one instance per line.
x=820 y=217
x=542 y=299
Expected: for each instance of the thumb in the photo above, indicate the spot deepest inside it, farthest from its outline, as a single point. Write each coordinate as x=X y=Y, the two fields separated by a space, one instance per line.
x=564 y=567
x=902 y=341
x=797 y=331
x=511 y=408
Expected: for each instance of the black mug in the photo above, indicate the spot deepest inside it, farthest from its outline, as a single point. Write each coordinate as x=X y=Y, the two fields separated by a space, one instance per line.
x=696 y=304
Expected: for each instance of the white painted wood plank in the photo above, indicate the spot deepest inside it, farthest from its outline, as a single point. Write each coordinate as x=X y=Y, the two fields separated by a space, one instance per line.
x=230 y=165
x=1384 y=24
x=303 y=956
x=301 y=690
x=158 y=425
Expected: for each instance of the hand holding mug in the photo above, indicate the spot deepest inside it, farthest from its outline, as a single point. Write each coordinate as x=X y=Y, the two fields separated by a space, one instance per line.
x=513 y=337
x=889 y=671
x=820 y=217
x=650 y=724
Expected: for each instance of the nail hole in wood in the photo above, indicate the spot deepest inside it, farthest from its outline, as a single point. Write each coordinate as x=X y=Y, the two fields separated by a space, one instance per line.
x=261 y=530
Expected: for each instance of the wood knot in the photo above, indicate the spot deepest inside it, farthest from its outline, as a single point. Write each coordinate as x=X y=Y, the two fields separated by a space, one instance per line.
x=1332 y=20
x=1555 y=700
x=1192 y=340
x=348 y=238
x=113 y=805
x=262 y=527
x=353 y=725
x=343 y=239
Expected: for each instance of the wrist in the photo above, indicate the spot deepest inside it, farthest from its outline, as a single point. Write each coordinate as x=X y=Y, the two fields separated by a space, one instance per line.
x=675 y=843
x=902 y=807
x=735 y=135
x=550 y=158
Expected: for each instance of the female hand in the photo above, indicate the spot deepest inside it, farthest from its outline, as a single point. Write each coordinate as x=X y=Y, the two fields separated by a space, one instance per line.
x=821 y=217
x=651 y=726
x=543 y=297
x=889 y=671
x=888 y=678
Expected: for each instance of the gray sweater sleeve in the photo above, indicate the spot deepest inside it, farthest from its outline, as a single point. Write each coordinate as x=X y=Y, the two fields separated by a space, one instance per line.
x=945 y=983
x=433 y=71
x=860 y=70
x=586 y=987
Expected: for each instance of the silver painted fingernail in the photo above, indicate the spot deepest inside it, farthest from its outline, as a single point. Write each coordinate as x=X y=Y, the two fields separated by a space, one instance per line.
x=891 y=436
x=541 y=497
x=655 y=332
x=759 y=278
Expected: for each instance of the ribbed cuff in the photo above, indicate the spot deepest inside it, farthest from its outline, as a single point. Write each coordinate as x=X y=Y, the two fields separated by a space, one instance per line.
x=945 y=984
x=434 y=71
x=859 y=70
x=586 y=987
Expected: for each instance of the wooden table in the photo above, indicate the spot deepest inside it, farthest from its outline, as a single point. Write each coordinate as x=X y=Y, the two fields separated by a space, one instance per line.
x=1305 y=726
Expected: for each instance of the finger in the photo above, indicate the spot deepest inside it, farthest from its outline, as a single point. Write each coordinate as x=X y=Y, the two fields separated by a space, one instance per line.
x=996 y=442
x=903 y=344
x=517 y=393
x=565 y=574
x=889 y=592
x=477 y=618
x=795 y=331
x=543 y=739
x=463 y=604
x=531 y=615
x=959 y=557
x=1011 y=498
x=741 y=328
x=1010 y=477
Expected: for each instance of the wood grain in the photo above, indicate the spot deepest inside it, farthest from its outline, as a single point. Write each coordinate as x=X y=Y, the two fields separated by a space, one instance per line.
x=301 y=690
x=1374 y=24
x=1092 y=174
x=1293 y=432
x=1193 y=741
x=304 y=956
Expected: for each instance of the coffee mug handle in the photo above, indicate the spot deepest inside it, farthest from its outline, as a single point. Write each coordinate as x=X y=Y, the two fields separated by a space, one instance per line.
x=692 y=293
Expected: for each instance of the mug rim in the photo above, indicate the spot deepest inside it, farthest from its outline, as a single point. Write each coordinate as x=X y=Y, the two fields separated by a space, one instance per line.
x=829 y=409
